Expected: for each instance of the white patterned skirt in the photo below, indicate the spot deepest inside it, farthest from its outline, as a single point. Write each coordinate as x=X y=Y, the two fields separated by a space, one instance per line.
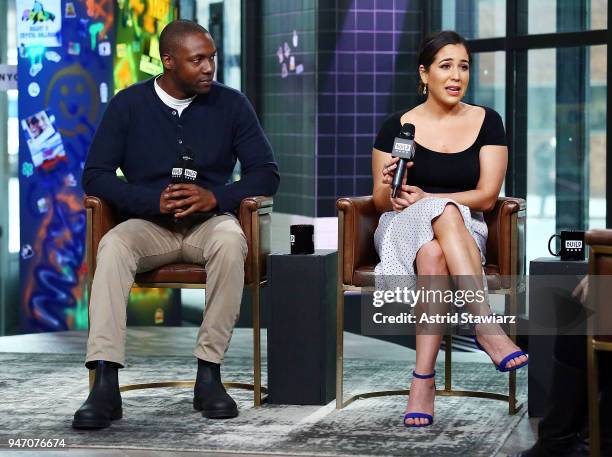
x=400 y=235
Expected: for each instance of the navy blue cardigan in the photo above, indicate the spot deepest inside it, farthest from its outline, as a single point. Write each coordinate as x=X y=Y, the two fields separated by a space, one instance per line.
x=143 y=136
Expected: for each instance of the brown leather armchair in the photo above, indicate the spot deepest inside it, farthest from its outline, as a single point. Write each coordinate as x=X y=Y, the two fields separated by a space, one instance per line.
x=254 y=216
x=599 y=337
x=505 y=260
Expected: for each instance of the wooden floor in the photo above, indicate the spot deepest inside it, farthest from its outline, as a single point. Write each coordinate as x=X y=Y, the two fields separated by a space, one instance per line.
x=180 y=341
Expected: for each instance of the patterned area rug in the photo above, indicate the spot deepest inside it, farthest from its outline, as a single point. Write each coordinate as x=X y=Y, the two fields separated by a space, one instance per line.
x=40 y=392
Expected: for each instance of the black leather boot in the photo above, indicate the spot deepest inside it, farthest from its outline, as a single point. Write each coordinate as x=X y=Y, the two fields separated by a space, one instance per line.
x=559 y=430
x=209 y=395
x=103 y=404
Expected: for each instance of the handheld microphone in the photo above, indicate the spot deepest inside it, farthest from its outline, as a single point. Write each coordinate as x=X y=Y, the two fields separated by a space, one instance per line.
x=184 y=170
x=403 y=147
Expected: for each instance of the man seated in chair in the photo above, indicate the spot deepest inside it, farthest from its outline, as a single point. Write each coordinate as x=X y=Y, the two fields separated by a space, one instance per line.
x=145 y=129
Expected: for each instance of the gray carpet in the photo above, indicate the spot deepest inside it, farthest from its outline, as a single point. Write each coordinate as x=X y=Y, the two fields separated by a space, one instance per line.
x=40 y=392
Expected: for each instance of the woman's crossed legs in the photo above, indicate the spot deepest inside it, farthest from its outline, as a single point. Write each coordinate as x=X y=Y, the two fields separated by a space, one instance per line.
x=452 y=251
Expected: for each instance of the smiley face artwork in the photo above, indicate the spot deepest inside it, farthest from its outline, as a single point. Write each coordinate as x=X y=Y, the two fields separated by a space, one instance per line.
x=65 y=69
x=74 y=92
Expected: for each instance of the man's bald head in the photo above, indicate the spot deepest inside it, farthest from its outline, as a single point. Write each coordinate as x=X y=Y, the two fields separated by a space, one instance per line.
x=188 y=54
x=174 y=32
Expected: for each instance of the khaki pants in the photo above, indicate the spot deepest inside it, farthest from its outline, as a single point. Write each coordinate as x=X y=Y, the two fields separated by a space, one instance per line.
x=137 y=245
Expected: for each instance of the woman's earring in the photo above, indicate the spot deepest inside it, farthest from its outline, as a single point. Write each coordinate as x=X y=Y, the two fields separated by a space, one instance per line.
x=425 y=89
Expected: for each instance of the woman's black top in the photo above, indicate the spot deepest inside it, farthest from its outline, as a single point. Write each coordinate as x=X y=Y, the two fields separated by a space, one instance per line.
x=439 y=172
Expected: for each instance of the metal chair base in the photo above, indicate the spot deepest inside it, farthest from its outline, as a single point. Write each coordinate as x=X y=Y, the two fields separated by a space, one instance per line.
x=189 y=384
x=439 y=393
x=513 y=405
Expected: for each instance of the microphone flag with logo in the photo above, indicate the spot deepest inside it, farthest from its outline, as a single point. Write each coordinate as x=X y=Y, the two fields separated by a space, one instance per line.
x=184 y=170
x=403 y=147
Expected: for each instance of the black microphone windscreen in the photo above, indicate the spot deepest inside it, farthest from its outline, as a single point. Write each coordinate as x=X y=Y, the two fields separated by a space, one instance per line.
x=408 y=130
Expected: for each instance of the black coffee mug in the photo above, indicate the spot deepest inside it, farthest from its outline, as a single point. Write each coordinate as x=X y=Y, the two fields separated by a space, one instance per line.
x=302 y=239
x=572 y=245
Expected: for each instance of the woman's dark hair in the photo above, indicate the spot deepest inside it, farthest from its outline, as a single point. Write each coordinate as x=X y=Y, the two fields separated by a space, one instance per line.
x=432 y=44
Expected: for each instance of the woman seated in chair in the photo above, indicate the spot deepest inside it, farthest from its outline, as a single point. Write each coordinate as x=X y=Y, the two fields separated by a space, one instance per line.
x=435 y=225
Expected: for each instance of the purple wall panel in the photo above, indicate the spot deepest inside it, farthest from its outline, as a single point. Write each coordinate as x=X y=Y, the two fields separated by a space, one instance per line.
x=366 y=71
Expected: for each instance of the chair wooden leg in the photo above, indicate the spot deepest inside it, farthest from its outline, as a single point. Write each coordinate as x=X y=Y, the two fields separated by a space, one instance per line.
x=512 y=409
x=90 y=272
x=448 y=363
x=593 y=387
x=512 y=393
x=340 y=348
x=256 y=345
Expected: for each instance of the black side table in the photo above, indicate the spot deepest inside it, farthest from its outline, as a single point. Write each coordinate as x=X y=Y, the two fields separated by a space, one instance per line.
x=302 y=328
x=551 y=282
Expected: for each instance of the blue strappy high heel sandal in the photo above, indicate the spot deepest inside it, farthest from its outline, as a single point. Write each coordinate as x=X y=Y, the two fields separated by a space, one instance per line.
x=420 y=415
x=502 y=365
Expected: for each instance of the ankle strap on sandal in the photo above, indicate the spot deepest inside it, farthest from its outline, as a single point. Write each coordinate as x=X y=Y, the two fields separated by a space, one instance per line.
x=424 y=376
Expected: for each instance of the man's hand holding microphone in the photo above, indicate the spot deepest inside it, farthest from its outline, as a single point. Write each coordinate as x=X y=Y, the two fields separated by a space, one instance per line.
x=182 y=196
x=185 y=199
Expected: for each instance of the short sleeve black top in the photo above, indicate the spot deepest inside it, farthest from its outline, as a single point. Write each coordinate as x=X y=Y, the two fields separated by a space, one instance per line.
x=438 y=172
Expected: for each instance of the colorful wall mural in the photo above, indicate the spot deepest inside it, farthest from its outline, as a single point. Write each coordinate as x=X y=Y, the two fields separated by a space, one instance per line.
x=64 y=78
x=139 y=23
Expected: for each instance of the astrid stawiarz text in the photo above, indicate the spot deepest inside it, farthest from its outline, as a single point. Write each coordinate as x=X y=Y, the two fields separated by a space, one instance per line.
x=448 y=318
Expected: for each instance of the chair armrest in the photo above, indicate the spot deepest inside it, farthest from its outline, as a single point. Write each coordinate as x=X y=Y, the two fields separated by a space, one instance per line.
x=261 y=207
x=602 y=237
x=100 y=219
x=600 y=288
x=600 y=254
x=501 y=237
x=259 y=203
x=358 y=219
